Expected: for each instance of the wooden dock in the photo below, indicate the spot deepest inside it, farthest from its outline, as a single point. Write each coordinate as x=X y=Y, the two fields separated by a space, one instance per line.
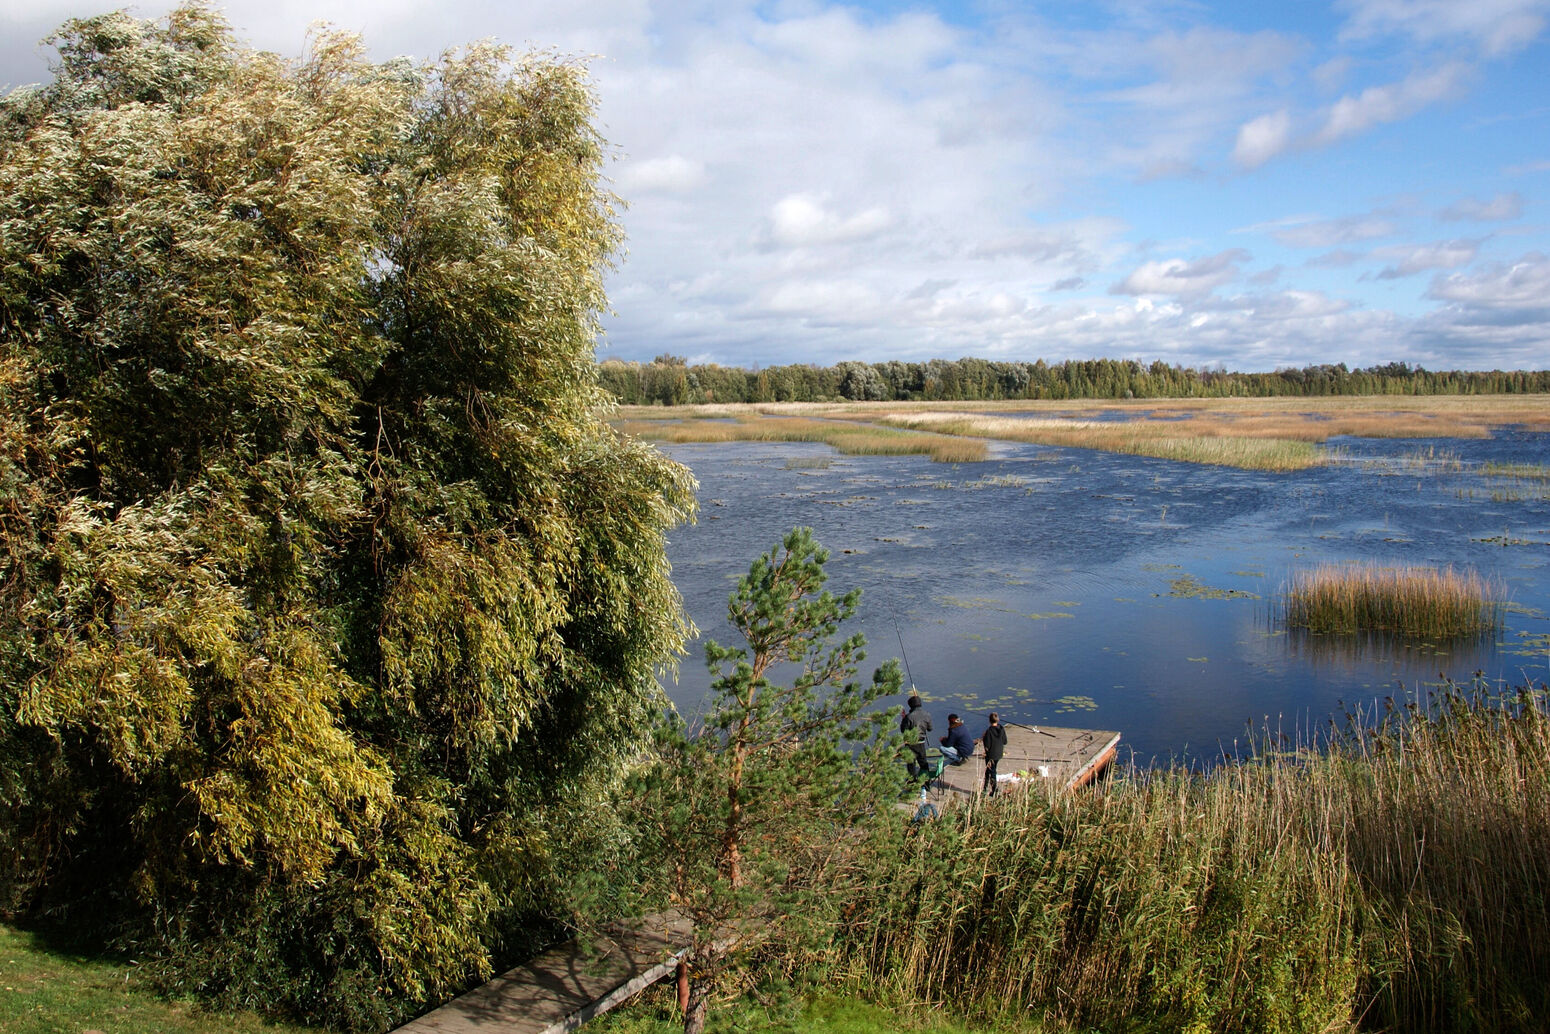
x=565 y=986
x=1042 y=755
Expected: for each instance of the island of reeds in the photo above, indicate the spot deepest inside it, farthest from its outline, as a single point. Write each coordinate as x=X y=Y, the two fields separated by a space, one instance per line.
x=1419 y=602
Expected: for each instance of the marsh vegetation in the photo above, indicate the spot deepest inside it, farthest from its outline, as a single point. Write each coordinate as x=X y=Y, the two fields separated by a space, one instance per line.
x=1427 y=603
x=1394 y=874
x=1253 y=434
x=847 y=437
x=1391 y=873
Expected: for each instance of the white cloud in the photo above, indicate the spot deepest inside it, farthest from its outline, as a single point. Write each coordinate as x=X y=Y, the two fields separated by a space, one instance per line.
x=1441 y=255
x=670 y=174
x=812 y=181
x=1328 y=233
x=1495 y=26
x=1177 y=276
x=801 y=220
x=1261 y=139
x=1523 y=285
x=1501 y=207
x=1376 y=105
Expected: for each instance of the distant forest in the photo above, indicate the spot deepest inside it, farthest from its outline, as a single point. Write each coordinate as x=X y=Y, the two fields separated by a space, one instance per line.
x=670 y=381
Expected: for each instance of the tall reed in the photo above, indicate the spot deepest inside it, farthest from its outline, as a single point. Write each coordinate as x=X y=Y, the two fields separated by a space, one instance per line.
x=1427 y=602
x=1398 y=878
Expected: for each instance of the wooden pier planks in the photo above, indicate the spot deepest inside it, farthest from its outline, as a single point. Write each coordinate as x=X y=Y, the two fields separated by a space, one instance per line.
x=1072 y=758
x=565 y=986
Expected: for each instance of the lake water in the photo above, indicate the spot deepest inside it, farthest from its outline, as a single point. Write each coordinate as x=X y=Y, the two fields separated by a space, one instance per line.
x=1073 y=587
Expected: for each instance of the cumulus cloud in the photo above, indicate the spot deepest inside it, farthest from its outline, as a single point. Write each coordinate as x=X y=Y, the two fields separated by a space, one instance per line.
x=1501 y=207
x=1261 y=139
x=817 y=180
x=1177 y=276
x=1523 y=285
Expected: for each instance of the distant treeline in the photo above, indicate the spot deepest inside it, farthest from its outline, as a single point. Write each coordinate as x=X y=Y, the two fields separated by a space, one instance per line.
x=669 y=380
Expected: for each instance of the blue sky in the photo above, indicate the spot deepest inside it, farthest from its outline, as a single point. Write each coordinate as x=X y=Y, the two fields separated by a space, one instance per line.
x=1252 y=185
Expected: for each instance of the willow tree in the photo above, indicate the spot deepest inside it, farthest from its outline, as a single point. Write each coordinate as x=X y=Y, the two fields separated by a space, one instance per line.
x=327 y=599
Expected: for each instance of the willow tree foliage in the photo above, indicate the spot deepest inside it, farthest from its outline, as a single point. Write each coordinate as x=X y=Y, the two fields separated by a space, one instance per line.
x=327 y=601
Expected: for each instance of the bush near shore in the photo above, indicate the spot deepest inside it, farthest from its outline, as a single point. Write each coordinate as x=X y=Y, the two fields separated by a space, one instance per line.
x=1397 y=879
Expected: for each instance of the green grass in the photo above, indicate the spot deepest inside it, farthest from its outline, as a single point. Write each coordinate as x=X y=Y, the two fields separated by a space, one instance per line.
x=1420 y=602
x=43 y=991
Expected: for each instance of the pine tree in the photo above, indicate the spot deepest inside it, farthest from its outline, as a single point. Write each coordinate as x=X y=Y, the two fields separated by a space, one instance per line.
x=745 y=815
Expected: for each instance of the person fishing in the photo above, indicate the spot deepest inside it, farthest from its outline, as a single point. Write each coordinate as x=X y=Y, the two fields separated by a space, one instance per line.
x=994 y=741
x=914 y=725
x=957 y=747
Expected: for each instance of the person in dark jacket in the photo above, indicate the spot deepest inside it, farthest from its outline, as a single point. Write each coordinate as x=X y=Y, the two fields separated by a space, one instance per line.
x=914 y=725
x=957 y=747
x=994 y=741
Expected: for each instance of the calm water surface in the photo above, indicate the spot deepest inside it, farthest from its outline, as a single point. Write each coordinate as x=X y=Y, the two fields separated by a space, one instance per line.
x=1083 y=588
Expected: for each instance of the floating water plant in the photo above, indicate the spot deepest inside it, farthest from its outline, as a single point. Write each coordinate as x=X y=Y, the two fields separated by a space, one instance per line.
x=1425 y=602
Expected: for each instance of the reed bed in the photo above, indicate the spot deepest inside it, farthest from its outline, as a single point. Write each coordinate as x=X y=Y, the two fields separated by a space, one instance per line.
x=1517 y=471
x=847 y=437
x=1398 y=878
x=1424 y=602
x=1279 y=434
x=1174 y=440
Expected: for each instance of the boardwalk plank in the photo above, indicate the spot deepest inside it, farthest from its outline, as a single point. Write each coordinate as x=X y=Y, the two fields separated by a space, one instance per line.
x=565 y=986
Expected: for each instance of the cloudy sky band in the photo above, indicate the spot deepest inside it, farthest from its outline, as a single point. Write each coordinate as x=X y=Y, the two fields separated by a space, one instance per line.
x=1255 y=185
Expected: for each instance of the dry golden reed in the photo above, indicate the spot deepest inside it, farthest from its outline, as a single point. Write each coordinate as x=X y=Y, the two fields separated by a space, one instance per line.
x=1424 y=602
x=1275 y=434
x=845 y=436
x=1395 y=878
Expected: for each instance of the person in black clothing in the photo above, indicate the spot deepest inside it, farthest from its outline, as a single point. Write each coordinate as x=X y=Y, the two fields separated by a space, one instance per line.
x=914 y=725
x=994 y=739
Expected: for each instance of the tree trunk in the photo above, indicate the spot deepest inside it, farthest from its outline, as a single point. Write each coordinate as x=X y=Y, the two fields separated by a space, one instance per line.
x=694 y=1017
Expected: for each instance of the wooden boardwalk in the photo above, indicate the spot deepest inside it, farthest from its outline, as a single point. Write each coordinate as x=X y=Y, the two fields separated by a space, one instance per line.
x=565 y=986
x=1043 y=755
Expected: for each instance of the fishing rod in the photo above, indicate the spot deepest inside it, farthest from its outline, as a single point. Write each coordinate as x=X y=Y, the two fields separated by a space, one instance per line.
x=906 y=656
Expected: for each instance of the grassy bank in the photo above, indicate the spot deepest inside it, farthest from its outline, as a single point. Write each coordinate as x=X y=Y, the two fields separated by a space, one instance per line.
x=1397 y=879
x=1425 y=602
x=46 y=991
